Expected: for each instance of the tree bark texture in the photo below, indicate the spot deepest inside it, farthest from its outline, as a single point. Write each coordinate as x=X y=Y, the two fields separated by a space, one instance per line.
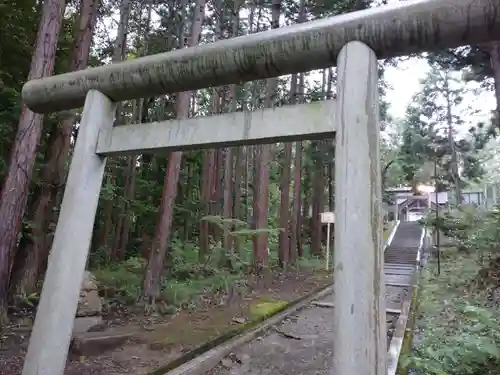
x=15 y=187
x=151 y=281
x=53 y=173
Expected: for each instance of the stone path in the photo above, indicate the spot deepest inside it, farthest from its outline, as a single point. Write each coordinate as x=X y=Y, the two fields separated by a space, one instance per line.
x=303 y=343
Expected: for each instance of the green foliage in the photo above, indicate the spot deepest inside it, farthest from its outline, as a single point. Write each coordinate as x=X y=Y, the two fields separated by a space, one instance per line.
x=121 y=282
x=18 y=27
x=460 y=333
x=472 y=228
x=430 y=134
x=474 y=59
x=457 y=223
x=459 y=318
x=313 y=262
x=188 y=281
x=188 y=293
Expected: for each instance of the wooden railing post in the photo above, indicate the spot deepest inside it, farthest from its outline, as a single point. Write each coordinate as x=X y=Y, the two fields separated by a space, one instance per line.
x=51 y=336
x=360 y=339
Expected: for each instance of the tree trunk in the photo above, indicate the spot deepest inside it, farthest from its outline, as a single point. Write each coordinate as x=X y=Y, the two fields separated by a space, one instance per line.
x=210 y=166
x=494 y=52
x=209 y=188
x=284 y=242
x=261 y=199
x=35 y=254
x=151 y=281
x=238 y=176
x=295 y=243
x=218 y=192
x=285 y=235
x=321 y=151
x=206 y=188
x=16 y=185
x=331 y=161
x=317 y=203
x=129 y=196
x=122 y=228
x=331 y=183
x=296 y=223
x=108 y=231
x=451 y=141
x=228 y=198
x=260 y=209
x=139 y=115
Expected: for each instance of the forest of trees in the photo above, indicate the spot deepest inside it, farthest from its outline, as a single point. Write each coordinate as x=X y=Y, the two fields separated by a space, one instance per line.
x=430 y=134
x=235 y=209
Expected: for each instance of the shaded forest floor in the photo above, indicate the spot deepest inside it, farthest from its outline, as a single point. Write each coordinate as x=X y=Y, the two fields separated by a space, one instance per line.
x=151 y=342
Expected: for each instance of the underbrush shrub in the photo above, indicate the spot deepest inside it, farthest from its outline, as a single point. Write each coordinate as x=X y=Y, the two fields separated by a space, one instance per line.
x=468 y=345
x=187 y=280
x=459 y=327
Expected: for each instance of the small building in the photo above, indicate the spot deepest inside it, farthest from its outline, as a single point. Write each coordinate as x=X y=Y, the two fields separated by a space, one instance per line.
x=409 y=205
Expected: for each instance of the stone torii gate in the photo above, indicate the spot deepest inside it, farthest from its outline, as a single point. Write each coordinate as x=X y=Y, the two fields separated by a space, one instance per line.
x=353 y=42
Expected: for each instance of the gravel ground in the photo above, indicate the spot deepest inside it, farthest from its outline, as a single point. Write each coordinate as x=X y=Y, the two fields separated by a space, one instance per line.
x=301 y=344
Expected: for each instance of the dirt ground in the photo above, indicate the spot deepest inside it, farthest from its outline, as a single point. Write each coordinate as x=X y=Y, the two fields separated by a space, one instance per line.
x=155 y=341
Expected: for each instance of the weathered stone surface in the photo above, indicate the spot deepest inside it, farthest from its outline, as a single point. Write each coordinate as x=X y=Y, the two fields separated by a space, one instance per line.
x=393 y=30
x=90 y=303
x=23 y=325
x=86 y=323
x=239 y=320
x=89 y=282
x=91 y=344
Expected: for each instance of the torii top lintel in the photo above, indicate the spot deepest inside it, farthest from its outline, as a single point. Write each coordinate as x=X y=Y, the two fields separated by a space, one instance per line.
x=392 y=30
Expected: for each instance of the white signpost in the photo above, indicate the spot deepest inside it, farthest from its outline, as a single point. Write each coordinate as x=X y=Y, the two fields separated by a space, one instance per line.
x=327 y=218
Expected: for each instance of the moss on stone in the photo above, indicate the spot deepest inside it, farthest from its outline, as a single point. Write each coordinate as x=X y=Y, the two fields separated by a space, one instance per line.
x=266 y=308
x=407 y=346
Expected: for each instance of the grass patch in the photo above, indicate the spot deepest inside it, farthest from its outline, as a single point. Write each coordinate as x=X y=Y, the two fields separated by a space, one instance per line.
x=188 y=281
x=266 y=308
x=187 y=293
x=257 y=311
x=458 y=328
x=188 y=286
x=191 y=330
x=122 y=283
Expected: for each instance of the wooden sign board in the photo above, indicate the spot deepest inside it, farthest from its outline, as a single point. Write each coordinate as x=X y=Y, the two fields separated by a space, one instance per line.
x=328 y=217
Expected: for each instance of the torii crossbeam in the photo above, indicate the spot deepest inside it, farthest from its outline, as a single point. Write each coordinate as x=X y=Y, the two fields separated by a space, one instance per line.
x=353 y=42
